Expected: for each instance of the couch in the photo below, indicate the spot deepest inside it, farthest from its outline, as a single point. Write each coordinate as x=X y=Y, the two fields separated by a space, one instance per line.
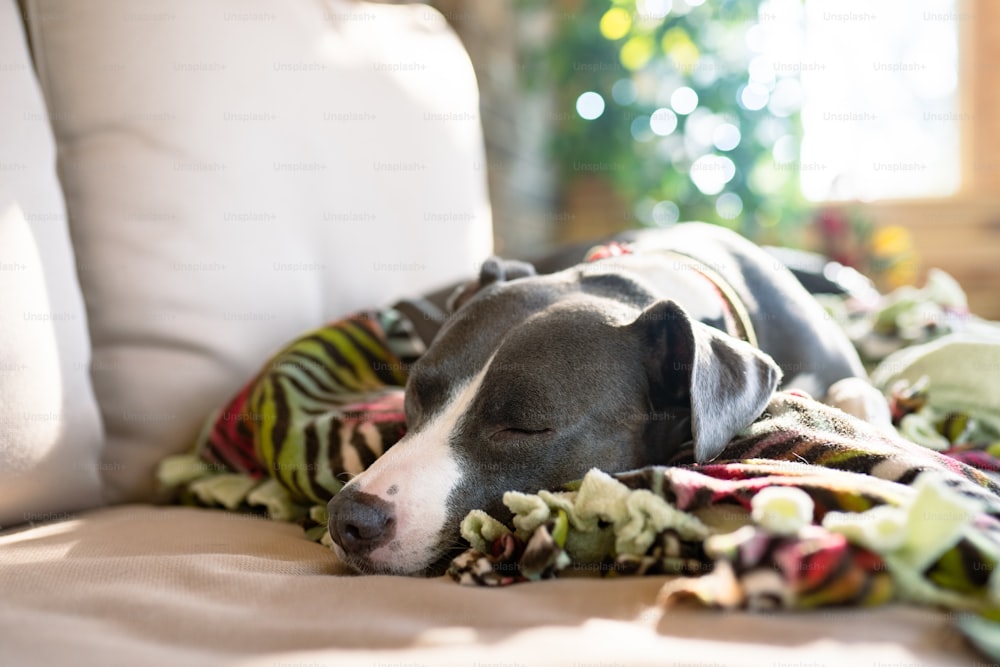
x=184 y=187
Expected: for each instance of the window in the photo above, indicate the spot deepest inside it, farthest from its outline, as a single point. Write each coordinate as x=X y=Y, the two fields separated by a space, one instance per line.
x=880 y=114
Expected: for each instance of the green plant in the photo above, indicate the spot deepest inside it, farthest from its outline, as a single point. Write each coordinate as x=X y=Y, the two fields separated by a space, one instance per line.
x=732 y=159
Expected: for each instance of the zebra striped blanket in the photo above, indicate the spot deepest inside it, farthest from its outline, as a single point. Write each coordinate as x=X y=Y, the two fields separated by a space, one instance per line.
x=319 y=411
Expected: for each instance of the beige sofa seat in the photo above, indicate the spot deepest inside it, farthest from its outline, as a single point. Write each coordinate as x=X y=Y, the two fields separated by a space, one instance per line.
x=140 y=585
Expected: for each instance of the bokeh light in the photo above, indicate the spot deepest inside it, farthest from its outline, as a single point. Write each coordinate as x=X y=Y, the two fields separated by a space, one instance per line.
x=754 y=96
x=666 y=213
x=698 y=131
x=636 y=52
x=684 y=100
x=653 y=9
x=615 y=23
x=640 y=129
x=663 y=122
x=680 y=49
x=710 y=173
x=624 y=92
x=729 y=205
x=726 y=137
x=590 y=105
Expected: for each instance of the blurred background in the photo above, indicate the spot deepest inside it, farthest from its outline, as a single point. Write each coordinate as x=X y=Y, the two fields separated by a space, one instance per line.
x=863 y=130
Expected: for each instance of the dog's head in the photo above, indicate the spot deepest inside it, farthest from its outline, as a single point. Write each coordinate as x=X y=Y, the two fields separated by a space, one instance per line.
x=531 y=383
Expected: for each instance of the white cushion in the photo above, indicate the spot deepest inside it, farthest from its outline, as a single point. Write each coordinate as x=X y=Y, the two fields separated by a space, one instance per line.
x=240 y=171
x=50 y=432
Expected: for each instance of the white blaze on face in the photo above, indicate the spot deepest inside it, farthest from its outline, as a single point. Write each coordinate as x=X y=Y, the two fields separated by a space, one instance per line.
x=417 y=475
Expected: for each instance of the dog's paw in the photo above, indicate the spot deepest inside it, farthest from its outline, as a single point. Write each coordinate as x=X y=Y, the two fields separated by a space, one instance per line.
x=859 y=398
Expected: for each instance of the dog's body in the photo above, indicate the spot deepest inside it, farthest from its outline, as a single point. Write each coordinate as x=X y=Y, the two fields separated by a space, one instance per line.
x=616 y=364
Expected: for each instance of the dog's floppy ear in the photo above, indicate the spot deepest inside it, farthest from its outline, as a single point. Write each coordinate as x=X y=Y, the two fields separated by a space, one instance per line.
x=497 y=270
x=727 y=382
x=493 y=270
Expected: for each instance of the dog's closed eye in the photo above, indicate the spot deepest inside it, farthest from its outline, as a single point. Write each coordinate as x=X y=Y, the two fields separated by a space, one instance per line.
x=516 y=435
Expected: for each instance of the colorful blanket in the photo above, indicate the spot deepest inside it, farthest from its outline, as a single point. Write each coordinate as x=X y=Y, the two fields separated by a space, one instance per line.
x=319 y=411
x=807 y=507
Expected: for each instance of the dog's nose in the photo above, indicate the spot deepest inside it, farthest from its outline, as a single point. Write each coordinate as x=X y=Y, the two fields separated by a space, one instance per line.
x=360 y=522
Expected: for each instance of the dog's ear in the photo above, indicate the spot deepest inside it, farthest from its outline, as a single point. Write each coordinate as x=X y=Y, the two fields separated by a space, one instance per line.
x=726 y=381
x=493 y=270
x=497 y=270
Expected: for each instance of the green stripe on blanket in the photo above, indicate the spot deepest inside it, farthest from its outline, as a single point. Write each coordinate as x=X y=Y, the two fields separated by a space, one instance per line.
x=320 y=410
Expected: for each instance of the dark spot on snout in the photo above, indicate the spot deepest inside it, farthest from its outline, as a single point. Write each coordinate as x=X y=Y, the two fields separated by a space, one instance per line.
x=392 y=490
x=360 y=522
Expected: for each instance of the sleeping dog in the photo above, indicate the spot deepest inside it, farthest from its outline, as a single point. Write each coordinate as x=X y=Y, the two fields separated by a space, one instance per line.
x=658 y=353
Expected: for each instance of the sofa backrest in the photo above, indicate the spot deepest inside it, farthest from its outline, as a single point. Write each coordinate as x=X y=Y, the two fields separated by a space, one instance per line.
x=239 y=171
